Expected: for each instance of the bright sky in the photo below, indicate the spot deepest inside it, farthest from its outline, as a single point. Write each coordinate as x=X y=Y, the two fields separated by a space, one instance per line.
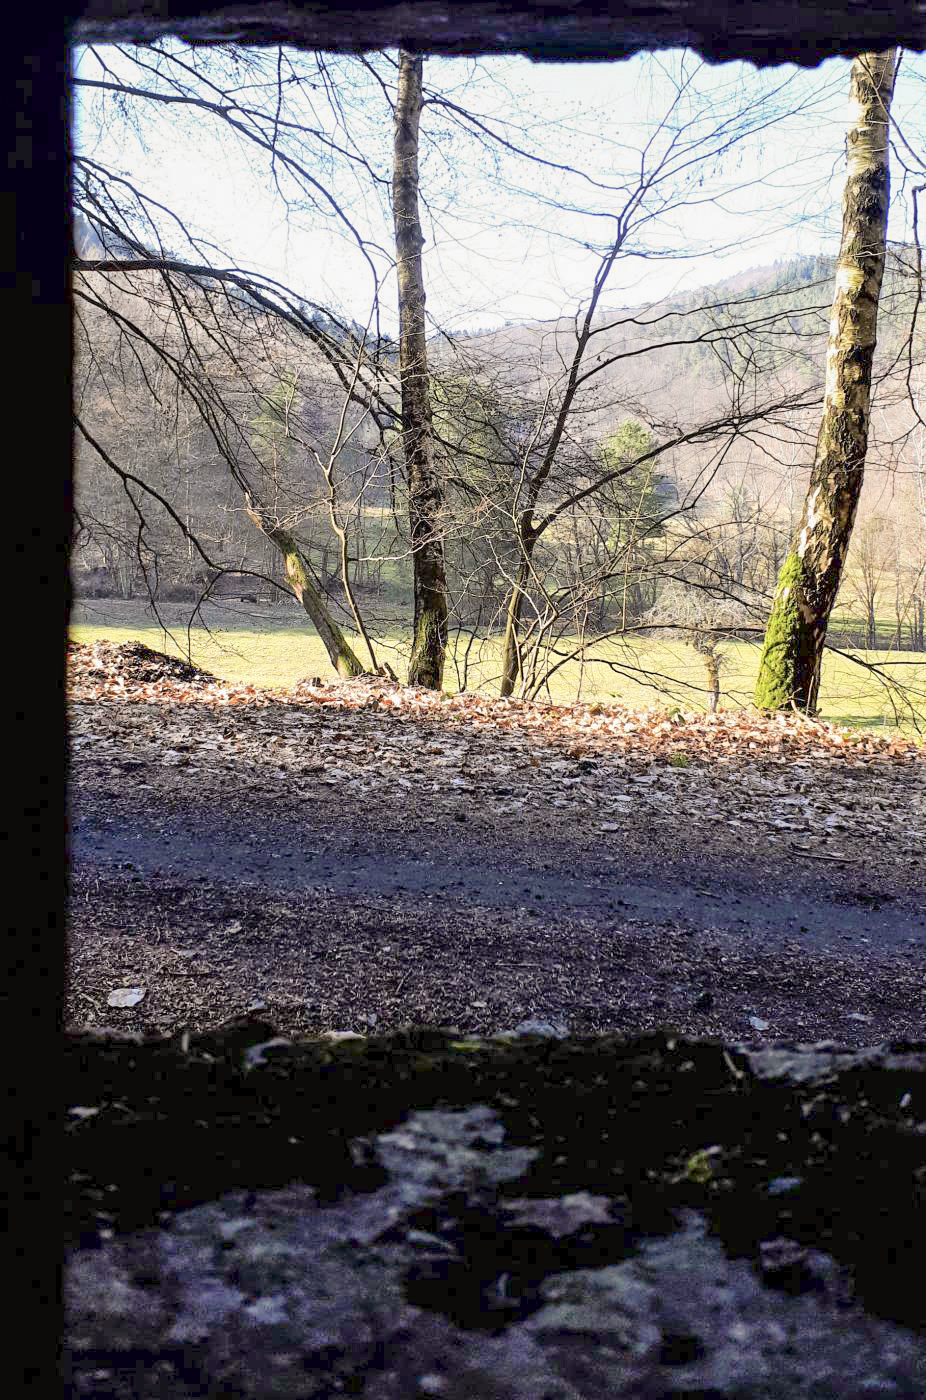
x=504 y=237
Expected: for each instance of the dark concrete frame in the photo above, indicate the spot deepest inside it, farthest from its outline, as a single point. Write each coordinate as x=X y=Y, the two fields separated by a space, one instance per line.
x=764 y=31
x=35 y=473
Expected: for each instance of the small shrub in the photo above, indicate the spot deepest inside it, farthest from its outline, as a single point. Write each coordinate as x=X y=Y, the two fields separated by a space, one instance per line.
x=179 y=593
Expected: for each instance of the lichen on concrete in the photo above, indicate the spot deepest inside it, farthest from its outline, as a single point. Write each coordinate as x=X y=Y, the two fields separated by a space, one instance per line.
x=418 y=1213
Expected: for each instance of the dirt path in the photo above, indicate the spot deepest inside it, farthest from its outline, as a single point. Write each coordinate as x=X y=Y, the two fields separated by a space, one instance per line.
x=342 y=866
x=743 y=904
x=222 y=882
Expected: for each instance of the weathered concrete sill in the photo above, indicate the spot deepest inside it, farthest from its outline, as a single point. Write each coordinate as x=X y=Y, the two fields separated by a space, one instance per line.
x=412 y=1214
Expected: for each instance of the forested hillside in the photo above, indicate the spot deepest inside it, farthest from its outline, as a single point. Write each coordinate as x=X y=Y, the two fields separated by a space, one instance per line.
x=752 y=346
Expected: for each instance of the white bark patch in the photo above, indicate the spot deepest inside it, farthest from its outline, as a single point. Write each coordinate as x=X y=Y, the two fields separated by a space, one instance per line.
x=858 y=109
x=849 y=280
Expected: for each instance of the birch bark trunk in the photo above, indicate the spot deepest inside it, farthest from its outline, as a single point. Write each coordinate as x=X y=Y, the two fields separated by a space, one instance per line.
x=792 y=654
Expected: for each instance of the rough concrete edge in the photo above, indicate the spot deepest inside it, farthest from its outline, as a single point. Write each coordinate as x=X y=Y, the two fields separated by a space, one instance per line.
x=781 y=31
x=254 y=1040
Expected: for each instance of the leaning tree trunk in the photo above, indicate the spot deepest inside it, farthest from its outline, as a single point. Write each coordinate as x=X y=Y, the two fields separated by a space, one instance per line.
x=511 y=645
x=302 y=582
x=789 y=669
x=425 y=493
x=511 y=648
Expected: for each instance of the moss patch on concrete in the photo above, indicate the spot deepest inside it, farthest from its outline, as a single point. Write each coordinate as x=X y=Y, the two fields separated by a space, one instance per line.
x=834 y=1159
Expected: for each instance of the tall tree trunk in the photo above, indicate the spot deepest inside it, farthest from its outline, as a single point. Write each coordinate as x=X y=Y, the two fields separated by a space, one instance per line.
x=511 y=646
x=301 y=580
x=425 y=492
x=789 y=669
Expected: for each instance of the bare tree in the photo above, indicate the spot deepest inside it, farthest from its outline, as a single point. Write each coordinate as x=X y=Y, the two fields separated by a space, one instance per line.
x=425 y=493
x=556 y=470
x=217 y=332
x=789 y=670
x=704 y=616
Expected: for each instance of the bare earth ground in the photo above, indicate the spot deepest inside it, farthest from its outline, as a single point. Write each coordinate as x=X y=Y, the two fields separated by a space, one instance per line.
x=366 y=856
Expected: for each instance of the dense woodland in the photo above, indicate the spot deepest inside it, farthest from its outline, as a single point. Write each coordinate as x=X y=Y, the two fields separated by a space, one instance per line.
x=655 y=457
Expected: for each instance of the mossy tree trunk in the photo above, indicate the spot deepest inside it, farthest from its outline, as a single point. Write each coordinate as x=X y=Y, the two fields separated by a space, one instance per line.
x=302 y=581
x=425 y=490
x=789 y=669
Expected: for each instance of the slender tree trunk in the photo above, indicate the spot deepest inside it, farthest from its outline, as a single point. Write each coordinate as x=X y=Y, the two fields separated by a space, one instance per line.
x=901 y=604
x=511 y=649
x=713 y=683
x=511 y=646
x=301 y=581
x=705 y=645
x=789 y=669
x=425 y=491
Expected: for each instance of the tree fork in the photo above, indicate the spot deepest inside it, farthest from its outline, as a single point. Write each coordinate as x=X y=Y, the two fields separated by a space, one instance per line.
x=792 y=653
x=425 y=492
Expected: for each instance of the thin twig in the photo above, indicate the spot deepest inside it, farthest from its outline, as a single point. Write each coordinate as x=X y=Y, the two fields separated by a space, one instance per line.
x=820 y=855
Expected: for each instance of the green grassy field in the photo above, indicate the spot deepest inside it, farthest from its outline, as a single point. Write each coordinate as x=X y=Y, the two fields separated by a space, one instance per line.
x=274 y=647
